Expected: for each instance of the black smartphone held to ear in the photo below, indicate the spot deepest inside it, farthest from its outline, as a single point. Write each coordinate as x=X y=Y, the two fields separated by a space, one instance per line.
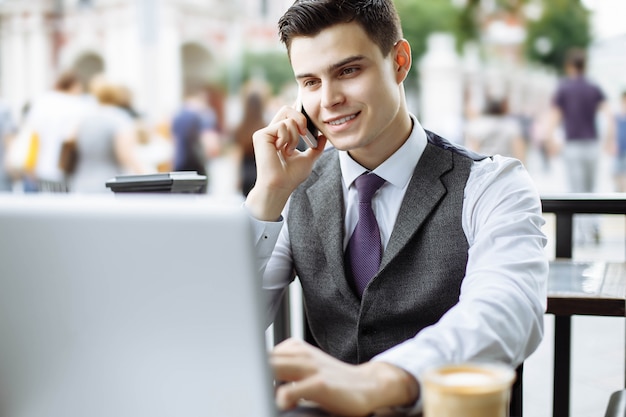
x=311 y=134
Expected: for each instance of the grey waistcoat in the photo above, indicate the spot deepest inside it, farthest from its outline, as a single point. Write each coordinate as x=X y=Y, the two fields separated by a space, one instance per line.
x=421 y=269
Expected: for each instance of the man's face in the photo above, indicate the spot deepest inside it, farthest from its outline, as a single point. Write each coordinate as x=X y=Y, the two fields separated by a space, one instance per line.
x=352 y=93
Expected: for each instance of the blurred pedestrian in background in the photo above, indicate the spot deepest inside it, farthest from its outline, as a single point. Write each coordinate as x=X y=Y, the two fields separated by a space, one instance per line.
x=21 y=149
x=125 y=101
x=107 y=141
x=495 y=132
x=575 y=105
x=55 y=116
x=617 y=146
x=194 y=130
x=7 y=129
x=253 y=119
x=153 y=149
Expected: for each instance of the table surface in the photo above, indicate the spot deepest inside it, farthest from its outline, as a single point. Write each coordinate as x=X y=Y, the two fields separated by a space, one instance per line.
x=587 y=288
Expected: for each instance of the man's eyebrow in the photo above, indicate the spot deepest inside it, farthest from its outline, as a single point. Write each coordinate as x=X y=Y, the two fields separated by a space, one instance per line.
x=333 y=67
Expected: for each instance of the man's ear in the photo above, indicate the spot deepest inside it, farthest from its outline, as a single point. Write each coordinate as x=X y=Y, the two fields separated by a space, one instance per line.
x=402 y=59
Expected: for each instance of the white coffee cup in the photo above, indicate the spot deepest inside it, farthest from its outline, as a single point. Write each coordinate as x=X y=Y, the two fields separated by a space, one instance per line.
x=467 y=390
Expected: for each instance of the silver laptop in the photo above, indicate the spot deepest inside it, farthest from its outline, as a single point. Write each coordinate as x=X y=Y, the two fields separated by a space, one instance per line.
x=129 y=306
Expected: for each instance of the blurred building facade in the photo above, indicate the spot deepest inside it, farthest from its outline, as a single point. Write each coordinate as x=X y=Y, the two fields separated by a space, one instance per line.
x=155 y=47
x=456 y=86
x=607 y=66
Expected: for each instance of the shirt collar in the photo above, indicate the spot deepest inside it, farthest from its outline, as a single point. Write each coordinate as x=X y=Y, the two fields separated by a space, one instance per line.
x=398 y=168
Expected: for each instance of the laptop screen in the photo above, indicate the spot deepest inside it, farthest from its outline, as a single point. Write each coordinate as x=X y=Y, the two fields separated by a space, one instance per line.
x=129 y=306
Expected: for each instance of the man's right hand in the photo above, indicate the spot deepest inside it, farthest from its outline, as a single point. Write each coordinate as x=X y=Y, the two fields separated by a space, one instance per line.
x=338 y=387
x=280 y=166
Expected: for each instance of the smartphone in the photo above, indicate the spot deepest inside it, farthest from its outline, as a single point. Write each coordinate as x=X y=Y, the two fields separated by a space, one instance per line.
x=311 y=131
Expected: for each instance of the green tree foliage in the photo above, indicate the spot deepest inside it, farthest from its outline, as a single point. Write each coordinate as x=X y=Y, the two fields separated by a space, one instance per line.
x=273 y=66
x=565 y=24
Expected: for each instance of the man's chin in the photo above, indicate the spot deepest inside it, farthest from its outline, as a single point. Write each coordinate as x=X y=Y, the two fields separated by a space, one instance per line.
x=343 y=144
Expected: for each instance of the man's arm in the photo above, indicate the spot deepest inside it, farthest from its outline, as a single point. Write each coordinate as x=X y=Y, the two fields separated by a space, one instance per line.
x=271 y=240
x=499 y=316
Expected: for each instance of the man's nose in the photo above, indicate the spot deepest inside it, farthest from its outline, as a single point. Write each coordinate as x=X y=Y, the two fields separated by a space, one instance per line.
x=331 y=95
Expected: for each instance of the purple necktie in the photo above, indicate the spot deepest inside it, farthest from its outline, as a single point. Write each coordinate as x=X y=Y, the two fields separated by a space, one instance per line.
x=364 y=249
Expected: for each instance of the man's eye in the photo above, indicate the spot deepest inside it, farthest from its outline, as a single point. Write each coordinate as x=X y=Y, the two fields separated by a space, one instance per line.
x=310 y=83
x=349 y=71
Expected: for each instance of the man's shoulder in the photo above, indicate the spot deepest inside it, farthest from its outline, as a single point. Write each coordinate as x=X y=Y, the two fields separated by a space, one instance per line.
x=185 y=117
x=444 y=144
x=185 y=112
x=578 y=84
x=501 y=172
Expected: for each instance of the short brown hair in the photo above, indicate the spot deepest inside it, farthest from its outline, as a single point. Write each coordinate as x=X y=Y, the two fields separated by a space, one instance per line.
x=379 y=19
x=66 y=81
x=577 y=58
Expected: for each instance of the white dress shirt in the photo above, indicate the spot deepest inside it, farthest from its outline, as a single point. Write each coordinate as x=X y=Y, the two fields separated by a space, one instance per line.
x=499 y=316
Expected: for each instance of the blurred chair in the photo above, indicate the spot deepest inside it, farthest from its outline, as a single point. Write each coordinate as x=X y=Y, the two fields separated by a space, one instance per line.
x=617 y=404
x=565 y=207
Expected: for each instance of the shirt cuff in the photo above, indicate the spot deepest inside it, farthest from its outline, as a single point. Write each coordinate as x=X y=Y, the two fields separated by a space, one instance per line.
x=266 y=234
x=404 y=357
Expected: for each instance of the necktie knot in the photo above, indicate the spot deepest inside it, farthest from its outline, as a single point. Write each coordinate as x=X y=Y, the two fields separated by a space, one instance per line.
x=367 y=185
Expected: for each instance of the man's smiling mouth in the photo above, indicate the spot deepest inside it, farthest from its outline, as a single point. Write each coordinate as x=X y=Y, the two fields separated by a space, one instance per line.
x=342 y=120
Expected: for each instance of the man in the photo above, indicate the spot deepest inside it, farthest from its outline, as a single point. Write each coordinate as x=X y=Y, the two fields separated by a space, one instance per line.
x=575 y=105
x=462 y=272
x=55 y=116
x=617 y=146
x=193 y=127
x=7 y=129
